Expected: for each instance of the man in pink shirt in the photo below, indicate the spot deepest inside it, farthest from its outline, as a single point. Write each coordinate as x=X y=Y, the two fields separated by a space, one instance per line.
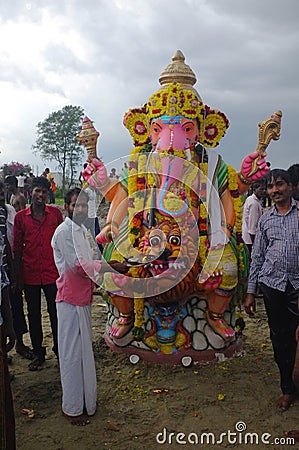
x=77 y=273
x=34 y=263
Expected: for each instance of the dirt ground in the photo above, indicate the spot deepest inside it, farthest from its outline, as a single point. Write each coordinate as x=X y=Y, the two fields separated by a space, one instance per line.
x=224 y=397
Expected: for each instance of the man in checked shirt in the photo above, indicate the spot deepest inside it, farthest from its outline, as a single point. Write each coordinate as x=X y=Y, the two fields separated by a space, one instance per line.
x=275 y=267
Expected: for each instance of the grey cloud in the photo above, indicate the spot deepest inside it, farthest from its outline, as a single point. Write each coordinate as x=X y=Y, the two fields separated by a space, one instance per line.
x=24 y=77
x=244 y=55
x=60 y=58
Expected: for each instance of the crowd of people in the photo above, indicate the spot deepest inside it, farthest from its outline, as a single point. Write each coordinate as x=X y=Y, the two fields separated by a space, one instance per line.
x=42 y=251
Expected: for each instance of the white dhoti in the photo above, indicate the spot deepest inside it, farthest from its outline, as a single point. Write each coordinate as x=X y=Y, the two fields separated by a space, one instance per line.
x=76 y=359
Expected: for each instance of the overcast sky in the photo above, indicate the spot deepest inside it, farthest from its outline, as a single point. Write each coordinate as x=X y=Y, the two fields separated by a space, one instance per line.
x=107 y=55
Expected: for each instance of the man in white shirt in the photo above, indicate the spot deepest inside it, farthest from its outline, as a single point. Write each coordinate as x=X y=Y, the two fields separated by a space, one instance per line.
x=92 y=221
x=77 y=273
x=252 y=211
x=21 y=182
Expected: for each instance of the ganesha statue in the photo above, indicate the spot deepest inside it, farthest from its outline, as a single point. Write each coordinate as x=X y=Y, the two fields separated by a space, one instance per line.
x=176 y=220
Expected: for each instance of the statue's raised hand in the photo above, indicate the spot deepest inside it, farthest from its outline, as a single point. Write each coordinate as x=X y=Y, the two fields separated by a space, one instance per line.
x=95 y=174
x=254 y=166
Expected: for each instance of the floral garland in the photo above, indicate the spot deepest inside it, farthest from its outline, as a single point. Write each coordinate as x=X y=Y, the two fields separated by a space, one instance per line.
x=173 y=101
x=136 y=191
x=139 y=319
x=237 y=200
x=216 y=124
x=135 y=120
x=203 y=219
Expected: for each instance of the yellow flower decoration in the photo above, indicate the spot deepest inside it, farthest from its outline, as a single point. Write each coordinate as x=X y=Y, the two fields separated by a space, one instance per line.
x=139 y=311
x=135 y=120
x=238 y=205
x=215 y=126
x=175 y=101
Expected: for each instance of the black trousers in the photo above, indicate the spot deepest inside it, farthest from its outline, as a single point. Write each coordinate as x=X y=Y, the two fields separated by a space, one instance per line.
x=33 y=299
x=283 y=319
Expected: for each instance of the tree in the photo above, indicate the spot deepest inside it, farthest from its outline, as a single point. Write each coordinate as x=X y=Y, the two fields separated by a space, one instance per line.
x=15 y=168
x=56 y=141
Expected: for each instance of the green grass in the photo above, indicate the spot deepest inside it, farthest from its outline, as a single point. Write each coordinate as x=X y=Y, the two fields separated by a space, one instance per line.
x=59 y=201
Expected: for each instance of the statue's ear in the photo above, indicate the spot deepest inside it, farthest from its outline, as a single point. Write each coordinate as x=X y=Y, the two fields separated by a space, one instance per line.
x=215 y=125
x=135 y=120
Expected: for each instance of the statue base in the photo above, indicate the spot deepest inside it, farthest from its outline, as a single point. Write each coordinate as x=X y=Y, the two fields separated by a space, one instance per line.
x=184 y=357
x=175 y=334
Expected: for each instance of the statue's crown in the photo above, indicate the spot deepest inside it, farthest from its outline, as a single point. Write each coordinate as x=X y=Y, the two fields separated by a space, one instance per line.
x=176 y=97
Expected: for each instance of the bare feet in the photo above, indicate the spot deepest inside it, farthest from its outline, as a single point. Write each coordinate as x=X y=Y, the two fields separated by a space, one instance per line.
x=79 y=421
x=285 y=401
x=219 y=325
x=122 y=325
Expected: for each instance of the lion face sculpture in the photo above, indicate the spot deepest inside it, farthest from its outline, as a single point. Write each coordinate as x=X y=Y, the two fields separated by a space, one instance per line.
x=175 y=266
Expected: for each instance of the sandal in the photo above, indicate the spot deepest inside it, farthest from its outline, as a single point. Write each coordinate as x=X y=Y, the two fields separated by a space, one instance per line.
x=25 y=351
x=38 y=361
x=36 y=364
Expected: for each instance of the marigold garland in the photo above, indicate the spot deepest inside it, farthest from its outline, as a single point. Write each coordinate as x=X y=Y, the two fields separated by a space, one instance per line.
x=203 y=217
x=136 y=189
x=139 y=319
x=136 y=122
x=216 y=124
x=173 y=101
x=237 y=200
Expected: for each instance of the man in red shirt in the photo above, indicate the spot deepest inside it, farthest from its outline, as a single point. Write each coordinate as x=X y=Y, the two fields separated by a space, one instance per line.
x=35 y=266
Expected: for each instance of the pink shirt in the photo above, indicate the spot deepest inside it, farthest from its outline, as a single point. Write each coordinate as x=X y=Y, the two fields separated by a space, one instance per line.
x=70 y=245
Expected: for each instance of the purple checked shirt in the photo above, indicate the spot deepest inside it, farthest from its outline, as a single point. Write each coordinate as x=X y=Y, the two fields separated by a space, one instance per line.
x=275 y=253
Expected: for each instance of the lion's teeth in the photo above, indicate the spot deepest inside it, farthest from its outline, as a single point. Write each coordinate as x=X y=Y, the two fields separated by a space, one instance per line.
x=161 y=266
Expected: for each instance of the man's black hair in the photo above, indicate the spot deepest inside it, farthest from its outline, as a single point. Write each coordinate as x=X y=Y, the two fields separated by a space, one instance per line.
x=40 y=182
x=12 y=180
x=258 y=183
x=278 y=173
x=294 y=174
x=74 y=191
